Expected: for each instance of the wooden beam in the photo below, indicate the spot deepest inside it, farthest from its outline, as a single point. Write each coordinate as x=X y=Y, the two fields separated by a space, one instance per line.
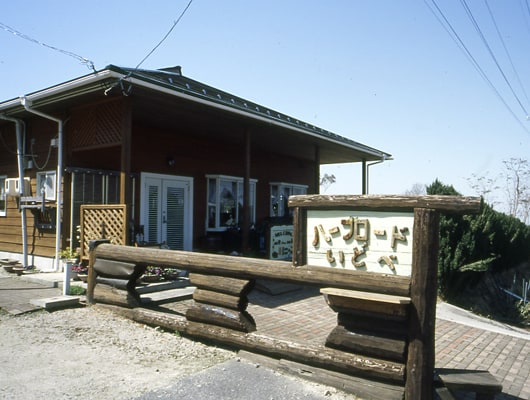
x=444 y=204
x=380 y=325
x=317 y=170
x=423 y=292
x=254 y=268
x=125 y=168
x=299 y=236
x=220 y=316
x=221 y=284
x=367 y=343
x=316 y=355
x=220 y=299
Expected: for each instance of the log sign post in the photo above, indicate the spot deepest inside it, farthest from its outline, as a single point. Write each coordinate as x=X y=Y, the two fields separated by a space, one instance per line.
x=393 y=237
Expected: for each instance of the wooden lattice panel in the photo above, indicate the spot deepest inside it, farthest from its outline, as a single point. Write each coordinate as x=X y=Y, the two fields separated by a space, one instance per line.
x=98 y=125
x=103 y=221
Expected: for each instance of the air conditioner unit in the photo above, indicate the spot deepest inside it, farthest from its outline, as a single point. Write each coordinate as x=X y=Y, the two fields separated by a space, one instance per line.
x=12 y=187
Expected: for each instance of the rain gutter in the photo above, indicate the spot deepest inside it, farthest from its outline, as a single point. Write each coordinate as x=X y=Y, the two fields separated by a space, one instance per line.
x=27 y=104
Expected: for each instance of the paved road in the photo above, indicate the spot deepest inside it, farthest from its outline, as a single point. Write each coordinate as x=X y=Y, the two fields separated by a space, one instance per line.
x=241 y=380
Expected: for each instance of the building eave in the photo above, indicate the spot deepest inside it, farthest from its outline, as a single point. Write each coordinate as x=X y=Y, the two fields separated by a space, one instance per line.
x=174 y=84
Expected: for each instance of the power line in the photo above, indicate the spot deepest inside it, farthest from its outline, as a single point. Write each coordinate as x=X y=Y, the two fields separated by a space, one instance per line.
x=15 y=32
x=442 y=19
x=166 y=35
x=490 y=51
x=127 y=91
x=506 y=50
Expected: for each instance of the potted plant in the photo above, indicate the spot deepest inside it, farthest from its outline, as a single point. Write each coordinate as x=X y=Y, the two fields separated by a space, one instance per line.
x=68 y=257
x=152 y=274
x=79 y=272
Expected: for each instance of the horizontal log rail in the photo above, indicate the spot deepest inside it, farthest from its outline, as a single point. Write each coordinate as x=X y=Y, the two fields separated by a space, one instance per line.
x=253 y=268
x=319 y=356
x=443 y=204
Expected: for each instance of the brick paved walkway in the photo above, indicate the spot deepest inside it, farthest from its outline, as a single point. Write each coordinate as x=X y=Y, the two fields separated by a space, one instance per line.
x=304 y=315
x=506 y=357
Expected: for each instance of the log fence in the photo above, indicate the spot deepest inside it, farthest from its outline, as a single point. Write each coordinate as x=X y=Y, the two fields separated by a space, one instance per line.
x=385 y=321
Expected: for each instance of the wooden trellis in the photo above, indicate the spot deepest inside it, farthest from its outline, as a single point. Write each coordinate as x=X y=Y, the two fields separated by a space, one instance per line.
x=103 y=221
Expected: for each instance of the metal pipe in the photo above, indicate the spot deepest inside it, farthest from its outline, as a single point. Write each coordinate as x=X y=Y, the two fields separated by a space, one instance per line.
x=382 y=160
x=20 y=127
x=26 y=103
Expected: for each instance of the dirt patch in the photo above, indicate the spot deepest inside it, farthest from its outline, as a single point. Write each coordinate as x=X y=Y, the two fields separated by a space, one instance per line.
x=91 y=353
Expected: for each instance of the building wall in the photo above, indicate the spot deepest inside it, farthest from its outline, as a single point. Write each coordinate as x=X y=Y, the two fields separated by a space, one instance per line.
x=197 y=157
x=39 y=133
x=92 y=140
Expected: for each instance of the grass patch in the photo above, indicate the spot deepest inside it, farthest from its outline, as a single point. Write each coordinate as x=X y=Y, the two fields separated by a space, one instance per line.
x=77 y=291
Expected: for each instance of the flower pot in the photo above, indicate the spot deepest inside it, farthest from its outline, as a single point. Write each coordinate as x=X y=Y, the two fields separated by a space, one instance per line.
x=67 y=263
x=151 y=278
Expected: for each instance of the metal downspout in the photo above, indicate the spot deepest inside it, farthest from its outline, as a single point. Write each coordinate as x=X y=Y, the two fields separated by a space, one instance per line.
x=20 y=150
x=382 y=160
x=26 y=103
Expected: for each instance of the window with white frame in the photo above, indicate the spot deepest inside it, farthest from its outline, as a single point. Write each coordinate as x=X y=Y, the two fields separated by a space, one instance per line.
x=225 y=201
x=46 y=183
x=280 y=192
x=3 y=196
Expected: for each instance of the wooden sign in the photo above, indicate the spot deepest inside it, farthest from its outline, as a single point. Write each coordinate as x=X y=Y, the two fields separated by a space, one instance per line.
x=360 y=240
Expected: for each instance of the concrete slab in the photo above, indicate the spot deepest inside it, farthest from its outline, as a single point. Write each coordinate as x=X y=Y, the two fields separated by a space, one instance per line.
x=53 y=303
x=169 y=296
x=45 y=279
x=165 y=285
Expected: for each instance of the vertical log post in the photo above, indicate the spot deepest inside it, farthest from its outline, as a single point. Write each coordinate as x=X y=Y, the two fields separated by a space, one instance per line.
x=299 y=236
x=92 y=274
x=423 y=292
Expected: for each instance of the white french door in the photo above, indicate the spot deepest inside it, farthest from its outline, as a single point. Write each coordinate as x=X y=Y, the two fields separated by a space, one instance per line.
x=166 y=209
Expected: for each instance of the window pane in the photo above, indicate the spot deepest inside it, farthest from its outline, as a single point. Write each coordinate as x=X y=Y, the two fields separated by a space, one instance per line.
x=212 y=192
x=152 y=213
x=274 y=200
x=212 y=212
x=227 y=203
x=175 y=218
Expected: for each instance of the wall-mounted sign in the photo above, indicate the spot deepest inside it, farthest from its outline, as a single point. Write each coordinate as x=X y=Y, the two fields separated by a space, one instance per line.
x=281 y=242
x=360 y=240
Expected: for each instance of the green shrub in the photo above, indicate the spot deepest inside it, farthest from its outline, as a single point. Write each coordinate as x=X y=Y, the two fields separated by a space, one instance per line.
x=490 y=241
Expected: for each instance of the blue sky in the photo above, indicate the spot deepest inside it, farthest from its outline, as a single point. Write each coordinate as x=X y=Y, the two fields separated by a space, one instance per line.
x=382 y=72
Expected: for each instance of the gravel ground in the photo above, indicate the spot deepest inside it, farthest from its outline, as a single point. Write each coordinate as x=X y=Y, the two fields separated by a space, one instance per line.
x=91 y=353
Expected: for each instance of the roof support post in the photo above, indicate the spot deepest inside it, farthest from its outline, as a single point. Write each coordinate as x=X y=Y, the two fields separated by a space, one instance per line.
x=365 y=178
x=125 y=160
x=317 y=170
x=246 y=195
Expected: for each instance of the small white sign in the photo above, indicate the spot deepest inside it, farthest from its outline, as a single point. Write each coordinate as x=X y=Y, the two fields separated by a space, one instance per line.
x=360 y=240
x=281 y=242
